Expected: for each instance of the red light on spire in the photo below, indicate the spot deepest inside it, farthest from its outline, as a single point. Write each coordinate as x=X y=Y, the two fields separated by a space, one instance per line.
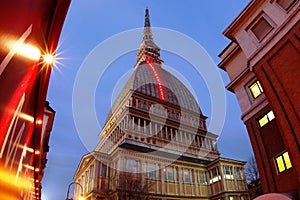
x=160 y=86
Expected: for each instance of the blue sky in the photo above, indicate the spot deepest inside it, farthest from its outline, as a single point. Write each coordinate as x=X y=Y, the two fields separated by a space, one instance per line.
x=88 y=23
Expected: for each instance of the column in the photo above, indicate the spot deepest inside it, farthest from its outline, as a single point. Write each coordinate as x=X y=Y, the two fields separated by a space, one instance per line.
x=196 y=173
x=222 y=174
x=180 y=180
x=181 y=140
x=139 y=124
x=132 y=123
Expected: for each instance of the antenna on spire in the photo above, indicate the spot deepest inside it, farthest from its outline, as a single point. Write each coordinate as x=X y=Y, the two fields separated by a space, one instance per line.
x=147 y=17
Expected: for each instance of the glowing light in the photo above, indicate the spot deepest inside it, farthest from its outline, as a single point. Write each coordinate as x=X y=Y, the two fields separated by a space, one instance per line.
x=48 y=58
x=26 y=117
x=37 y=152
x=29 y=167
x=8 y=179
x=37 y=169
x=39 y=122
x=81 y=198
x=27 y=50
x=160 y=86
x=28 y=149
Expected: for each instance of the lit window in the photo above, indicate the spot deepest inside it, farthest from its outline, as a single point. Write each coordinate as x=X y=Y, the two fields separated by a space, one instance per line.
x=283 y=162
x=228 y=172
x=266 y=118
x=214 y=175
x=261 y=28
x=256 y=89
x=286 y=4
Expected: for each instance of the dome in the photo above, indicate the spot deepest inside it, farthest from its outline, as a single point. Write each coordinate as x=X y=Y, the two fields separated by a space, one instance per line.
x=154 y=81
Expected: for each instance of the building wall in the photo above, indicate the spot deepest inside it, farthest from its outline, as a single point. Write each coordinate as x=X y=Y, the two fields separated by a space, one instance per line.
x=101 y=178
x=268 y=34
x=279 y=72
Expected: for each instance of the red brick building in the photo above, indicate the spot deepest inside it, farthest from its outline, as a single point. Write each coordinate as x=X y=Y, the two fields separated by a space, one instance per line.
x=29 y=31
x=262 y=62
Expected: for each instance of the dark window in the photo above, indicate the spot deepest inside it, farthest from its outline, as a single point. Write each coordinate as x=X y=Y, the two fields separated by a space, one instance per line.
x=261 y=28
x=286 y=4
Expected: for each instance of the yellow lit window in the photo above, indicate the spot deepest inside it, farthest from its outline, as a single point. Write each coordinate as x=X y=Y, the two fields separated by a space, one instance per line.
x=266 y=118
x=256 y=89
x=287 y=160
x=263 y=121
x=280 y=164
x=283 y=162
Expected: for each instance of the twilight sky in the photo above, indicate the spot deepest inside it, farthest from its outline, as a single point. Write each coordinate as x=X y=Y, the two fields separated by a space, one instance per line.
x=90 y=22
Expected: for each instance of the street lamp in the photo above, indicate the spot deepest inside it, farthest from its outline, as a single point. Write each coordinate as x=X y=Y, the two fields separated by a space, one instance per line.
x=68 y=193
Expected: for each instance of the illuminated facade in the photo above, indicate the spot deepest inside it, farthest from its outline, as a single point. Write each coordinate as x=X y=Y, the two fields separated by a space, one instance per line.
x=262 y=62
x=29 y=31
x=156 y=134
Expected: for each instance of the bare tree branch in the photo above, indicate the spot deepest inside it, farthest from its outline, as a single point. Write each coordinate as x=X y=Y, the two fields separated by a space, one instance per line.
x=251 y=170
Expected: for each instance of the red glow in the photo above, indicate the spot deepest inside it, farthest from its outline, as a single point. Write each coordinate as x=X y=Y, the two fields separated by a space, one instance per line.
x=160 y=86
x=39 y=122
x=26 y=83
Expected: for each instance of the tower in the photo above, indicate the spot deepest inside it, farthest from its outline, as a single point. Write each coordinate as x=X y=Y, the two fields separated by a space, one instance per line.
x=155 y=136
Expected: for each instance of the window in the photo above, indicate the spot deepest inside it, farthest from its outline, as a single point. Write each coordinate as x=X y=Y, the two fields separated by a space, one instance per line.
x=151 y=173
x=283 y=162
x=238 y=173
x=202 y=178
x=214 y=175
x=173 y=115
x=266 y=118
x=143 y=106
x=103 y=170
x=158 y=110
x=132 y=166
x=185 y=119
x=256 y=89
x=286 y=4
x=170 y=174
x=228 y=172
x=151 y=170
x=187 y=176
x=261 y=28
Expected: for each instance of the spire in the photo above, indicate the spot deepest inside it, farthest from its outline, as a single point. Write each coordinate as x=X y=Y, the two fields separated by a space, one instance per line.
x=147 y=18
x=147 y=27
x=148 y=50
